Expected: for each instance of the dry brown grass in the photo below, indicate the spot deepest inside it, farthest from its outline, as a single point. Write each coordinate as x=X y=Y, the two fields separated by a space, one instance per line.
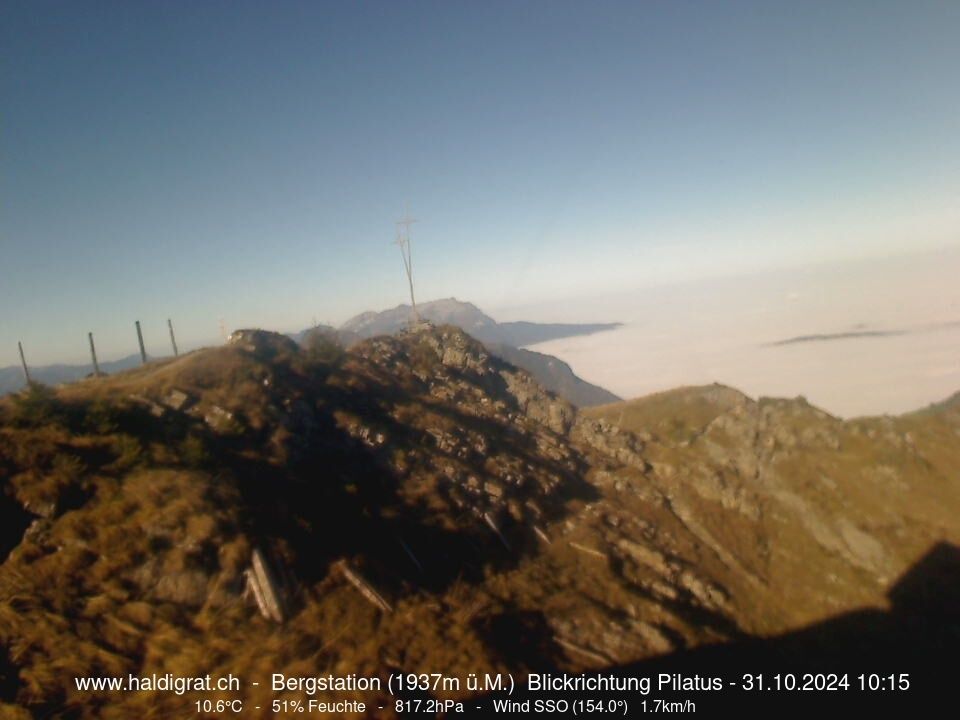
x=153 y=520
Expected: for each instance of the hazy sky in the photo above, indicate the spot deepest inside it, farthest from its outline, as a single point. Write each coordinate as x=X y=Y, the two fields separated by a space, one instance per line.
x=246 y=160
x=863 y=337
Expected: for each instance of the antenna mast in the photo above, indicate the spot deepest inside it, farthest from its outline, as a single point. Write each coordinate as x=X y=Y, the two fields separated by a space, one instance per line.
x=403 y=240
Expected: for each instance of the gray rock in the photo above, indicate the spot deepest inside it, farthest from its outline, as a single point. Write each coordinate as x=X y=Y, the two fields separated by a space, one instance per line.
x=177 y=400
x=218 y=419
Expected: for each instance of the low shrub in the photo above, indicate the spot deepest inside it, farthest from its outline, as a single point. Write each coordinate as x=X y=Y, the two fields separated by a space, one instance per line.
x=36 y=406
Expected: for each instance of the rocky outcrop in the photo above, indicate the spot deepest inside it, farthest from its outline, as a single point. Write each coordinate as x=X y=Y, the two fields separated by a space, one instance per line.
x=262 y=343
x=621 y=446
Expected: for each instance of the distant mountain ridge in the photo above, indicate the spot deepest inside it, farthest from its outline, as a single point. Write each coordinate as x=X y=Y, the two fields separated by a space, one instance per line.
x=11 y=377
x=468 y=317
x=504 y=340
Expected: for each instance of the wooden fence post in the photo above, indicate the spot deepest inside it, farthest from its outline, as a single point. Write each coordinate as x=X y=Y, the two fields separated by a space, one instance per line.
x=143 y=352
x=173 y=338
x=23 y=361
x=93 y=356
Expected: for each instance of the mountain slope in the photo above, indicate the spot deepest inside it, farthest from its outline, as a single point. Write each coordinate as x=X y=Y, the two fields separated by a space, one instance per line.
x=554 y=375
x=500 y=529
x=430 y=466
x=502 y=339
x=831 y=510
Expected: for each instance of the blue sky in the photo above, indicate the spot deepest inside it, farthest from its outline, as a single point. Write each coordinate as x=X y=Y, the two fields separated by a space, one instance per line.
x=199 y=160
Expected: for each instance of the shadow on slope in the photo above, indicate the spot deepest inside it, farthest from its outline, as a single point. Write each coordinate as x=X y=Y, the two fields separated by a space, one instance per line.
x=912 y=645
x=322 y=493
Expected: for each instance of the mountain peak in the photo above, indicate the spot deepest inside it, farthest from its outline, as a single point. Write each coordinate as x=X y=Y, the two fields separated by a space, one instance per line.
x=446 y=311
x=501 y=339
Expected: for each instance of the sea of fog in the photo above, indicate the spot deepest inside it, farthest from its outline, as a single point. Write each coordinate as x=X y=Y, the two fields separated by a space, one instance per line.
x=860 y=338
